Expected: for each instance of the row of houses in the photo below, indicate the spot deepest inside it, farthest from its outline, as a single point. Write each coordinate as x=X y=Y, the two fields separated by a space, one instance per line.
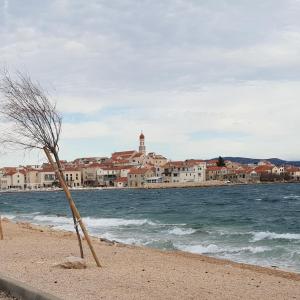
x=36 y=177
x=263 y=171
x=107 y=173
x=137 y=168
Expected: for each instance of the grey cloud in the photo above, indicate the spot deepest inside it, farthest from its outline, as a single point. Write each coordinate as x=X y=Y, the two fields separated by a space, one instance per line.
x=221 y=63
x=146 y=44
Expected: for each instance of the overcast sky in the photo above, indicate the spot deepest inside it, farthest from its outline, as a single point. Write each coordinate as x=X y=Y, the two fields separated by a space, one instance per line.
x=200 y=78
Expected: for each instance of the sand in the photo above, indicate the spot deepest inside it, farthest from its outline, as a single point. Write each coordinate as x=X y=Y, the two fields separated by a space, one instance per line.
x=4 y=296
x=29 y=254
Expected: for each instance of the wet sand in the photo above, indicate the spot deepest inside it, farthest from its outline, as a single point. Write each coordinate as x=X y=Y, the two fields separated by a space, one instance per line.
x=29 y=254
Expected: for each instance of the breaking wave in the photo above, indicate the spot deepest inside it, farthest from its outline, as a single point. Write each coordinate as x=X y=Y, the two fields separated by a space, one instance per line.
x=214 y=249
x=266 y=235
x=94 y=222
x=181 y=231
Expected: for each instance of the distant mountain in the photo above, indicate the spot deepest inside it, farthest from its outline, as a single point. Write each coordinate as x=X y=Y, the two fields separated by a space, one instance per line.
x=275 y=161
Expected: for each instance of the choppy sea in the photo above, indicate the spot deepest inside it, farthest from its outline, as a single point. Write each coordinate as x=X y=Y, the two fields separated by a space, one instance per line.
x=256 y=224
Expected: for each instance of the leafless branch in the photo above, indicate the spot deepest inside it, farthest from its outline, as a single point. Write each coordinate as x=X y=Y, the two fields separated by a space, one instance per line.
x=34 y=120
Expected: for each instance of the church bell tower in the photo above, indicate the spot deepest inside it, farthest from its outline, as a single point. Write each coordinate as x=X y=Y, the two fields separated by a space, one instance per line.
x=142 y=147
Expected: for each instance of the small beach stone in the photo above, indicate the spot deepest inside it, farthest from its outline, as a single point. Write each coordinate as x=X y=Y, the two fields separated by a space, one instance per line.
x=73 y=262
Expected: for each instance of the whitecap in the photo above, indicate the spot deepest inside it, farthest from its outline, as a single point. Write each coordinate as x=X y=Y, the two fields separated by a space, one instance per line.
x=291 y=197
x=258 y=249
x=266 y=235
x=181 y=231
x=115 y=222
x=93 y=222
x=212 y=248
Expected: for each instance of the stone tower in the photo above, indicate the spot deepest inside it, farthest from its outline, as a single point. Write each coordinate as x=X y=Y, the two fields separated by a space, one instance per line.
x=142 y=147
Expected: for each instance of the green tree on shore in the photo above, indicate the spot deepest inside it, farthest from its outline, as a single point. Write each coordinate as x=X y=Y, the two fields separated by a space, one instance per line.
x=221 y=162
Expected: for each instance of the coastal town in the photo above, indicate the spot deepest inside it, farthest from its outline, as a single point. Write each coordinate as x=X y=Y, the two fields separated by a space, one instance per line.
x=139 y=169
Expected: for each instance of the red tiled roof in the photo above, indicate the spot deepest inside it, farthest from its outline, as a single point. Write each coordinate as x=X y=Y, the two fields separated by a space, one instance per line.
x=120 y=161
x=195 y=160
x=263 y=169
x=137 y=155
x=212 y=161
x=12 y=172
x=121 y=179
x=123 y=153
x=46 y=169
x=93 y=165
x=216 y=168
x=292 y=169
x=70 y=169
x=138 y=170
x=174 y=164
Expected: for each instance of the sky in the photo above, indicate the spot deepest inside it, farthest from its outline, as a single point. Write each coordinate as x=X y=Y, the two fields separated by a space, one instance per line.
x=200 y=78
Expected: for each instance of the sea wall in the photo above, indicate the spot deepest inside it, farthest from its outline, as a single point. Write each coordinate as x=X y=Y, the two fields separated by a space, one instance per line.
x=184 y=184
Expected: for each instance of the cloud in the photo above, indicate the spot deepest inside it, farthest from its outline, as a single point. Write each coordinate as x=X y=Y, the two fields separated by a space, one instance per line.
x=199 y=77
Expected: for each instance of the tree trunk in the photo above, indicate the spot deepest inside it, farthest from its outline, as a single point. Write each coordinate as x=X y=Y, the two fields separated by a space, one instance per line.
x=74 y=219
x=1 y=231
x=72 y=204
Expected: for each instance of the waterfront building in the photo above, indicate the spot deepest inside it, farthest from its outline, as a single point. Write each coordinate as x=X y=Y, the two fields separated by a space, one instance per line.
x=72 y=176
x=89 y=174
x=293 y=173
x=216 y=173
x=247 y=175
x=137 y=177
x=264 y=169
x=13 y=179
x=32 y=177
x=47 y=178
x=185 y=171
x=121 y=182
x=107 y=175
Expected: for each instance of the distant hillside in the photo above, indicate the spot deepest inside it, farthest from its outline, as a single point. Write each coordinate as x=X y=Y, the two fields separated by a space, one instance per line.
x=275 y=161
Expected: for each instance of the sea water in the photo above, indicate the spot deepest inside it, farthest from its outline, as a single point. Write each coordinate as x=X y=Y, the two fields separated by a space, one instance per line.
x=257 y=224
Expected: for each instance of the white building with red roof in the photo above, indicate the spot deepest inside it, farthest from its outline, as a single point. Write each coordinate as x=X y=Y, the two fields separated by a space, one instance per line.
x=185 y=171
x=12 y=179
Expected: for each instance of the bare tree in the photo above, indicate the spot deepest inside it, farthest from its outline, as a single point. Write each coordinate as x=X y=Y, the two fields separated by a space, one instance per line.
x=36 y=123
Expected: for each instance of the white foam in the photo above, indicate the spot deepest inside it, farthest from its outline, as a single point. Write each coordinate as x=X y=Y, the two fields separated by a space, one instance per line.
x=115 y=222
x=8 y=216
x=93 y=222
x=266 y=235
x=181 y=231
x=53 y=219
x=112 y=237
x=291 y=197
x=214 y=249
x=258 y=249
x=199 y=248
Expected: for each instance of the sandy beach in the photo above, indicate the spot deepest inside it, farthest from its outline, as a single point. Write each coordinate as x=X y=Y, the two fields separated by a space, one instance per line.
x=29 y=253
x=3 y=296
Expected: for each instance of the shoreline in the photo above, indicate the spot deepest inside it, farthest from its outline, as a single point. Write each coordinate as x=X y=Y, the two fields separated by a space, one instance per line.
x=25 y=258
x=152 y=187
